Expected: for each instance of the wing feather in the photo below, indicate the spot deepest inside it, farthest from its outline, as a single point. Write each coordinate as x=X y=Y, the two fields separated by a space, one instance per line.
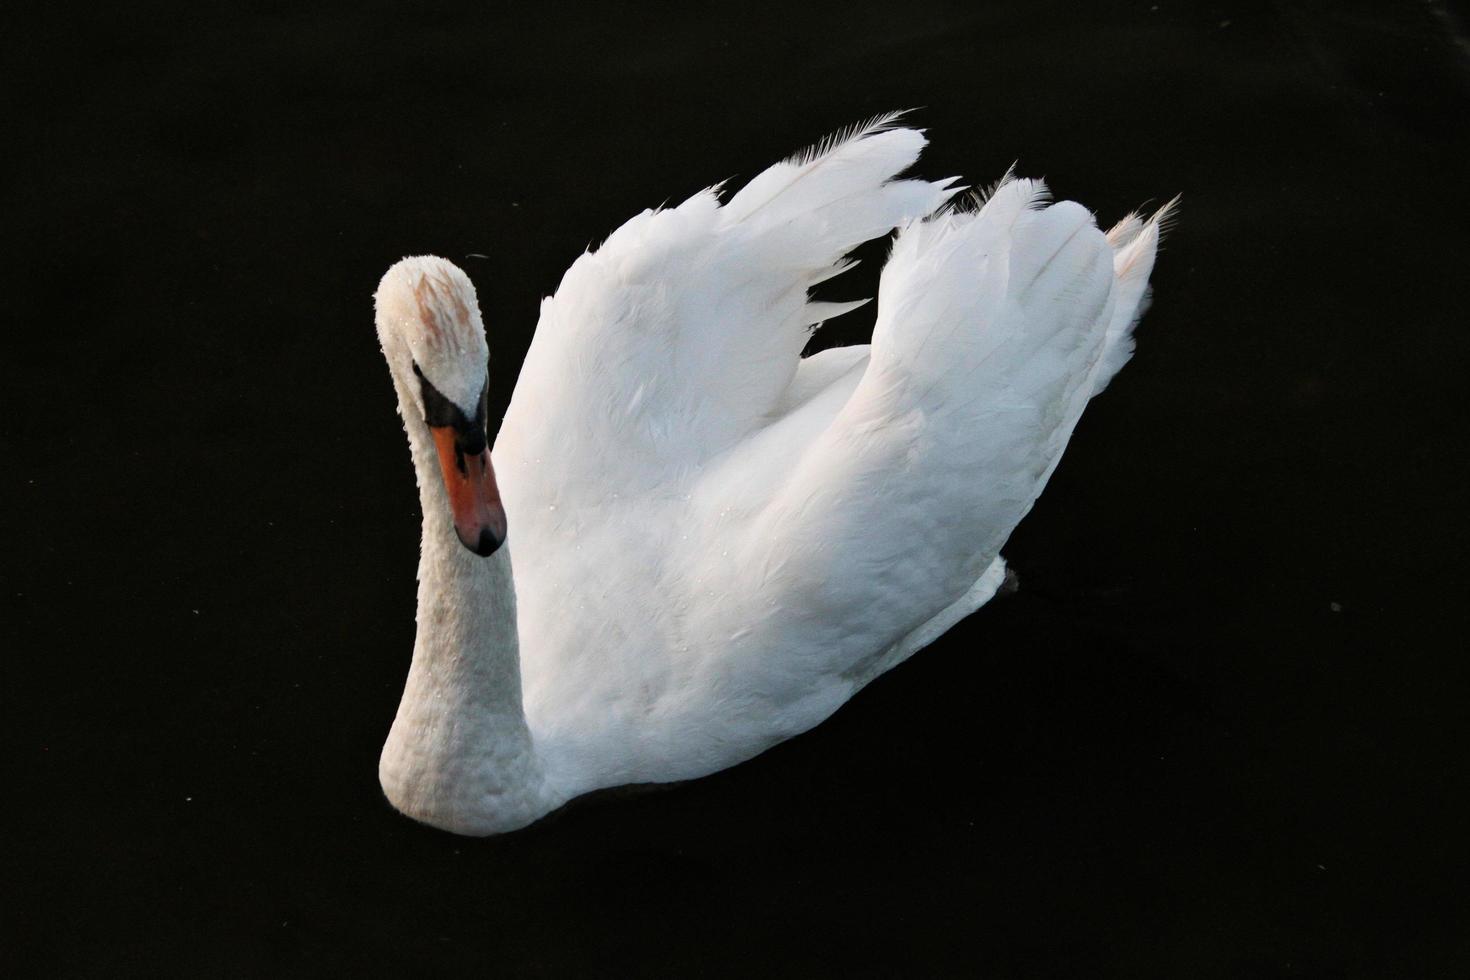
x=678 y=336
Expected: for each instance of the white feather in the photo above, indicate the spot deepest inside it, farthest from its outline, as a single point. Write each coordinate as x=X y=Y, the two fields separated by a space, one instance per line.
x=716 y=541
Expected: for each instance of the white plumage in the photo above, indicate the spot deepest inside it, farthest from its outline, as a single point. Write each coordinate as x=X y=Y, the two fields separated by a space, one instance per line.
x=716 y=541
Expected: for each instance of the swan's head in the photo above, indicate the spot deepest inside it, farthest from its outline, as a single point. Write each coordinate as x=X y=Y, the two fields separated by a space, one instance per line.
x=430 y=328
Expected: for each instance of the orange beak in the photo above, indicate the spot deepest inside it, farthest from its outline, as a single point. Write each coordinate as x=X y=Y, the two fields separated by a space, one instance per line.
x=474 y=499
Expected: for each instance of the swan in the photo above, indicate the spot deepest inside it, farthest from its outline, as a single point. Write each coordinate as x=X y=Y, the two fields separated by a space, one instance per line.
x=690 y=542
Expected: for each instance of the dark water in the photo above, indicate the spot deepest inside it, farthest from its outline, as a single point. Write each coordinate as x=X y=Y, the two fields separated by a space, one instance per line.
x=1218 y=733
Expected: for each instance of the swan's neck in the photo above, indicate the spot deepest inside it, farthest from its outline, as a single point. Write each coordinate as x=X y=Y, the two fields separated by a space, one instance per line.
x=459 y=755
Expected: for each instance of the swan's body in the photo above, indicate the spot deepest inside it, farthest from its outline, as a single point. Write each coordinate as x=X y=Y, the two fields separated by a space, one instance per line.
x=717 y=542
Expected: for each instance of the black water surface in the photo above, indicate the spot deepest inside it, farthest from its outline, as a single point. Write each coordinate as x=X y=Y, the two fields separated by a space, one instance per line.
x=1219 y=732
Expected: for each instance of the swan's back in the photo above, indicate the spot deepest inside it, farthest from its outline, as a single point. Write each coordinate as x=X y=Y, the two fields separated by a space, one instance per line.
x=718 y=542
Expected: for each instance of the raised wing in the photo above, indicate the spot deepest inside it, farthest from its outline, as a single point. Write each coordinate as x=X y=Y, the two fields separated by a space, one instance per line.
x=681 y=334
x=885 y=498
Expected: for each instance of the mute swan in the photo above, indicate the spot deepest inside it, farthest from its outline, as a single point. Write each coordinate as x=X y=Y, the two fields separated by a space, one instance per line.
x=717 y=541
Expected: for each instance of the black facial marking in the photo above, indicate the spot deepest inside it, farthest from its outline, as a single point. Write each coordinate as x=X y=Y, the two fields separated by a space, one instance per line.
x=469 y=434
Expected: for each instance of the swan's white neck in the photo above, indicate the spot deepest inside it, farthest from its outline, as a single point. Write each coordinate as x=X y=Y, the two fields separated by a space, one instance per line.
x=459 y=755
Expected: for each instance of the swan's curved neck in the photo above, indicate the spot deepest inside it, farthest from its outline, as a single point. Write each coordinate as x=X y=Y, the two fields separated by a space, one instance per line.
x=460 y=755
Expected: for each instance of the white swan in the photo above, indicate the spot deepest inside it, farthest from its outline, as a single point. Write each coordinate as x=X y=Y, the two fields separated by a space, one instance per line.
x=716 y=541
